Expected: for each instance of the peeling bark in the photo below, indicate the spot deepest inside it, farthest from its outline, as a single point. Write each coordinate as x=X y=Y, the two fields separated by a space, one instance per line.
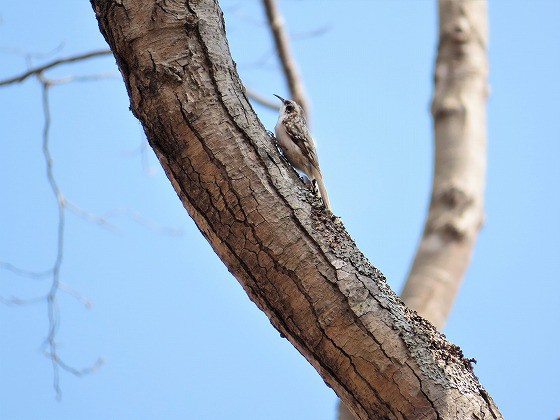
x=456 y=208
x=297 y=263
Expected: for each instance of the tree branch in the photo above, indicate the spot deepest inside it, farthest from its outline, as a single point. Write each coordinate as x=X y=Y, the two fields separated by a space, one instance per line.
x=50 y=344
x=262 y=100
x=297 y=263
x=289 y=67
x=456 y=208
x=38 y=70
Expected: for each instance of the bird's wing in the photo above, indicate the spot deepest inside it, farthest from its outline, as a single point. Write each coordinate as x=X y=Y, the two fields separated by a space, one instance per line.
x=298 y=132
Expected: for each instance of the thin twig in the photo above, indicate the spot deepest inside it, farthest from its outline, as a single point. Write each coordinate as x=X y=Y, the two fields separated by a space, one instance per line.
x=80 y=372
x=321 y=30
x=103 y=220
x=287 y=60
x=86 y=78
x=41 y=69
x=20 y=302
x=26 y=273
x=50 y=345
x=75 y=294
x=52 y=306
x=262 y=100
x=90 y=217
x=142 y=150
x=261 y=62
x=32 y=55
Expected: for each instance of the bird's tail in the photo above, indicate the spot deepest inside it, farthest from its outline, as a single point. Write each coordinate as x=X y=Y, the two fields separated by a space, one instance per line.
x=322 y=190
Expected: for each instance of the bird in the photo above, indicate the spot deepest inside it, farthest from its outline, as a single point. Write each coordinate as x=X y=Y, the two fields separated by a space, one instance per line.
x=293 y=138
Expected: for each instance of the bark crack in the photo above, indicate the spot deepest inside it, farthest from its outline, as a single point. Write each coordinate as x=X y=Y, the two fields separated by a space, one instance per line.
x=434 y=408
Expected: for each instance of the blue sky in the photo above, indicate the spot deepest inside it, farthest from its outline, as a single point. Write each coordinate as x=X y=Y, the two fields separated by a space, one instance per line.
x=179 y=337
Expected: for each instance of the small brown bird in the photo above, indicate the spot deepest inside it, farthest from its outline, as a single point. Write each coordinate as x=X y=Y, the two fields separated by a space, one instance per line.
x=297 y=144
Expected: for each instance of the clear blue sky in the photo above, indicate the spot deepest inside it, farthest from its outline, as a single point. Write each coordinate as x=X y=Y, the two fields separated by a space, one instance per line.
x=179 y=337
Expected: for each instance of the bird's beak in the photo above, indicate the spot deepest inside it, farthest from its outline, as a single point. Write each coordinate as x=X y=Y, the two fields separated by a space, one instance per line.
x=279 y=97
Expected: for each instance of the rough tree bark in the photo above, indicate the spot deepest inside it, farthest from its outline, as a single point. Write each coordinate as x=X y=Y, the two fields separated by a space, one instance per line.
x=456 y=208
x=294 y=261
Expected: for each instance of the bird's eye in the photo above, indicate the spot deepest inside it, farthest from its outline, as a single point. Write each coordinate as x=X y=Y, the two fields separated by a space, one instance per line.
x=289 y=108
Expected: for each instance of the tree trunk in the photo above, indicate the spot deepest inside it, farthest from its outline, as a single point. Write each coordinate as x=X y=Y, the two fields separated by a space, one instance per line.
x=456 y=208
x=295 y=262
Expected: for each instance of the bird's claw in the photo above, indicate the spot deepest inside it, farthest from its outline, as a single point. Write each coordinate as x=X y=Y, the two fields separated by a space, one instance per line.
x=272 y=136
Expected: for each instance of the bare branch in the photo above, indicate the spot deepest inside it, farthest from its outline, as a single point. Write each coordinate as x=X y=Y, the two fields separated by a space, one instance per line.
x=75 y=294
x=20 y=301
x=142 y=150
x=287 y=60
x=261 y=62
x=80 y=79
x=90 y=217
x=79 y=372
x=52 y=308
x=51 y=298
x=32 y=55
x=321 y=30
x=262 y=100
x=38 y=70
x=26 y=273
x=103 y=220
x=50 y=343
x=456 y=208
